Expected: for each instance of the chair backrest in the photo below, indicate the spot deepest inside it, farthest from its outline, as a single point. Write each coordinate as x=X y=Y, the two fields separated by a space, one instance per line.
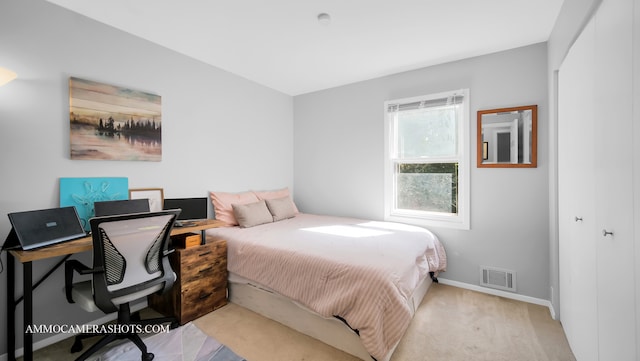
x=129 y=252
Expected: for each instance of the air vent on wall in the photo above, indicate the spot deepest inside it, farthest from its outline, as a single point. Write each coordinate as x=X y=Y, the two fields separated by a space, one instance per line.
x=501 y=279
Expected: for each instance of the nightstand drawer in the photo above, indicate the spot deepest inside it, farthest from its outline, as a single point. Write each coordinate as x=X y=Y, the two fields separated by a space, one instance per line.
x=205 y=267
x=198 y=261
x=201 y=284
x=198 y=302
x=205 y=275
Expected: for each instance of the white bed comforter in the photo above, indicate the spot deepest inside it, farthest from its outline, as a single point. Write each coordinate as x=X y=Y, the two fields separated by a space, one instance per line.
x=362 y=271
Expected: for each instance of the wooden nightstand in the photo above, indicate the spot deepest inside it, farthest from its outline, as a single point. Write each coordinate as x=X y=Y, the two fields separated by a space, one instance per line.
x=201 y=284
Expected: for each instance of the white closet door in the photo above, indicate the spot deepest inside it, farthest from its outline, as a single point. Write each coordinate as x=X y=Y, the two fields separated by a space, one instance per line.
x=614 y=182
x=576 y=189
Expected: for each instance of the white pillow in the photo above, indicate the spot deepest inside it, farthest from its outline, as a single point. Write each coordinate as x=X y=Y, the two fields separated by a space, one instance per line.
x=252 y=214
x=281 y=208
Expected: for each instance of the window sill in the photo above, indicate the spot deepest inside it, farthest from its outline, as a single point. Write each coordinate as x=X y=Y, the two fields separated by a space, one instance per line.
x=441 y=222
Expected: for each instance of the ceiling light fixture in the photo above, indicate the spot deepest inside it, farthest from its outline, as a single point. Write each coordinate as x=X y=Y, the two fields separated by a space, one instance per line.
x=324 y=19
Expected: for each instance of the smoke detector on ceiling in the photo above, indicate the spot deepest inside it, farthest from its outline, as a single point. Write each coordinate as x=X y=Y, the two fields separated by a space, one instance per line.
x=324 y=19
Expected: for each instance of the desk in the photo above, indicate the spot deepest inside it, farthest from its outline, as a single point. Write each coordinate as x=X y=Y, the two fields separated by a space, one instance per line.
x=65 y=249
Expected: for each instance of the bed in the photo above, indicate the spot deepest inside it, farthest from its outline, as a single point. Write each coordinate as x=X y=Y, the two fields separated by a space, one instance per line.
x=351 y=283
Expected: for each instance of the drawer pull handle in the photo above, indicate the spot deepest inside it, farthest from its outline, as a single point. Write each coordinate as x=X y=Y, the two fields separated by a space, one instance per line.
x=205 y=295
x=578 y=219
x=204 y=254
x=606 y=233
x=205 y=270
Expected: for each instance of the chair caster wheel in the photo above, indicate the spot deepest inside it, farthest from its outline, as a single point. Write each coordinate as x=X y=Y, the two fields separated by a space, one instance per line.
x=148 y=356
x=77 y=346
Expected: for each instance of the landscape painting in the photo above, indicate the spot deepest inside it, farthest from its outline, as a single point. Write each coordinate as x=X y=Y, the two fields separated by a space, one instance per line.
x=114 y=123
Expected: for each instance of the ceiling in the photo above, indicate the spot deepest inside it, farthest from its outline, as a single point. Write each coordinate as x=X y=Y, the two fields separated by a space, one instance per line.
x=281 y=44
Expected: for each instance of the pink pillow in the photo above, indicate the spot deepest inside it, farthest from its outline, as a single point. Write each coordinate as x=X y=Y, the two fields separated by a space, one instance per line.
x=280 y=193
x=222 y=204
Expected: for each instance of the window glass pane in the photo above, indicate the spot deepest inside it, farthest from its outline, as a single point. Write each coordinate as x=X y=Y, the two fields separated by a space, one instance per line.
x=431 y=187
x=427 y=132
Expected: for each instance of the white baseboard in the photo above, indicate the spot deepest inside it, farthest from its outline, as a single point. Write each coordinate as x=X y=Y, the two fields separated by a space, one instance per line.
x=61 y=336
x=510 y=295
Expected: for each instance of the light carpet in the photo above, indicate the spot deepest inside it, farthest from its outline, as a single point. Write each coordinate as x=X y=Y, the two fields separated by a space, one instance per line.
x=451 y=324
x=186 y=343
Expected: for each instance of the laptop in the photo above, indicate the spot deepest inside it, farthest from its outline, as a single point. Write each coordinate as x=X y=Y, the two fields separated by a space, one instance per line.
x=127 y=206
x=40 y=228
x=193 y=209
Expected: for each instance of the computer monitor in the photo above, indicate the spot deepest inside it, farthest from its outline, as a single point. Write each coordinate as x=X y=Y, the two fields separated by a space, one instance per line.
x=33 y=229
x=192 y=208
x=127 y=206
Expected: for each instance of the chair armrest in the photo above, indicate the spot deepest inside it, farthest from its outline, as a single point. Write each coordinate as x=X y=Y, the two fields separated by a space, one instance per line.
x=69 y=267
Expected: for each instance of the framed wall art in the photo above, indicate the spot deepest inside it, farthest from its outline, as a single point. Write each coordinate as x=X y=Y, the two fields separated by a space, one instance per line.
x=109 y=122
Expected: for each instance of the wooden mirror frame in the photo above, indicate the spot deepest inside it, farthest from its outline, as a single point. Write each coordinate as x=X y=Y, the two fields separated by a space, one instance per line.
x=483 y=146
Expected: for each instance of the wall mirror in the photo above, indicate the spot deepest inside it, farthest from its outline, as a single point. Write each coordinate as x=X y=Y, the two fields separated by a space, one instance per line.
x=508 y=137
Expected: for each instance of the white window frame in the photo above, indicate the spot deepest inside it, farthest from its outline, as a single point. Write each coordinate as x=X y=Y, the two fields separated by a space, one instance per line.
x=423 y=218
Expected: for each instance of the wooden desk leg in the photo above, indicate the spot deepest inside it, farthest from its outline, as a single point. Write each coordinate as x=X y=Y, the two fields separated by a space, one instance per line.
x=11 y=308
x=28 y=311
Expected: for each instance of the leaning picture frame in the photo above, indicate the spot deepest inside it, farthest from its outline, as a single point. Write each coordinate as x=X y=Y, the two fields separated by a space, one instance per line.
x=154 y=195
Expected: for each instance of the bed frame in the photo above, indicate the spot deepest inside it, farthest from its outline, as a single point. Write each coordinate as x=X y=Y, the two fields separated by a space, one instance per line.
x=331 y=331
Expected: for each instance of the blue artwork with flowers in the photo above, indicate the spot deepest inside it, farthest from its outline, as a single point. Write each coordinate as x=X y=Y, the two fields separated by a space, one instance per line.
x=83 y=192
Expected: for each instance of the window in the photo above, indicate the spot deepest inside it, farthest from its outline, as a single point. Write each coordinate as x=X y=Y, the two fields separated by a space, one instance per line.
x=427 y=160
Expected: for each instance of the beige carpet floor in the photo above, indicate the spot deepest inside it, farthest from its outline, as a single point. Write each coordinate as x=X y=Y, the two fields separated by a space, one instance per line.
x=452 y=324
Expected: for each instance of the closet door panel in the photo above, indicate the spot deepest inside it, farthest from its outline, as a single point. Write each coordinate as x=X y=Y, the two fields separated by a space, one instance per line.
x=614 y=182
x=576 y=188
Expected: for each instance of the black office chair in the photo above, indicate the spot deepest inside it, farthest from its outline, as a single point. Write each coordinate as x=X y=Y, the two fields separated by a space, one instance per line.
x=129 y=263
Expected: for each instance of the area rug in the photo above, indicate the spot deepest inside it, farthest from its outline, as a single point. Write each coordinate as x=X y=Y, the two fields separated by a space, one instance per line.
x=186 y=343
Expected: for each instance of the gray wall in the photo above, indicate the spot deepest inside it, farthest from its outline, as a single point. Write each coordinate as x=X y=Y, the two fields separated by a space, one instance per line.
x=220 y=131
x=339 y=161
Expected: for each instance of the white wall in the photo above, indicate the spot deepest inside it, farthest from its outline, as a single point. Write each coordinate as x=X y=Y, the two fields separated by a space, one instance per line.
x=220 y=131
x=339 y=161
